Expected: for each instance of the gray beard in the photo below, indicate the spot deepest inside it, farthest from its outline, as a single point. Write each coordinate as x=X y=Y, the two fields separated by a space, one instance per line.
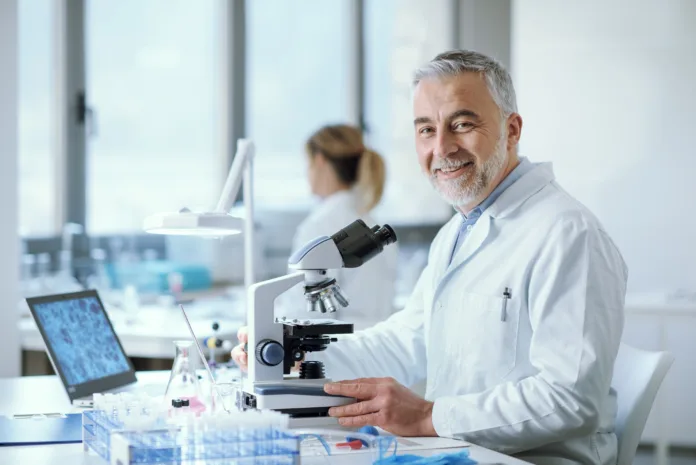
x=467 y=188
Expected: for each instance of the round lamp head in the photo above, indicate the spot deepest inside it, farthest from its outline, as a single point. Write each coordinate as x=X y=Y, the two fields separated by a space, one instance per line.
x=188 y=223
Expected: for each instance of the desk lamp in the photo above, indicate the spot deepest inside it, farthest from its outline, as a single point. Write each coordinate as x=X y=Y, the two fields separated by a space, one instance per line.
x=219 y=223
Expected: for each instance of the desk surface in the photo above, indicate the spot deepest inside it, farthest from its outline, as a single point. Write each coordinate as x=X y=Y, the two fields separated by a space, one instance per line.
x=45 y=394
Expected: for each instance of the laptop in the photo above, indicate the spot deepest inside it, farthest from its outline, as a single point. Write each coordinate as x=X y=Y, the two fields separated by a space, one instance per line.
x=82 y=345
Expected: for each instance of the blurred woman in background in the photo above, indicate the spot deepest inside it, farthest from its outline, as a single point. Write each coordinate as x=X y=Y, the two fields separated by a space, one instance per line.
x=348 y=178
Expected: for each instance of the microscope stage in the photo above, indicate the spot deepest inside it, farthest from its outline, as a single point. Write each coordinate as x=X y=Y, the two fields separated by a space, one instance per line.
x=310 y=327
x=296 y=400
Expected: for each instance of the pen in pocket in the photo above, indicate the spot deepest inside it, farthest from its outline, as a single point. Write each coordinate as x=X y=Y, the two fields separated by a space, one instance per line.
x=507 y=294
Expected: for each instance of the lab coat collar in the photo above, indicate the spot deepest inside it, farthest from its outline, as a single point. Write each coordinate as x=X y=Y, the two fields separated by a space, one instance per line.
x=514 y=196
x=337 y=199
x=518 y=193
x=339 y=196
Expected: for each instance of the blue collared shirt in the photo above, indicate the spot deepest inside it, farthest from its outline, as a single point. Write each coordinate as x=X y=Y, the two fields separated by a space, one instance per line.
x=468 y=221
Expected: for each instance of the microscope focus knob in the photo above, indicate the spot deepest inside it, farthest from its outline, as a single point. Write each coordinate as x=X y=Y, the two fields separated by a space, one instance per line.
x=270 y=352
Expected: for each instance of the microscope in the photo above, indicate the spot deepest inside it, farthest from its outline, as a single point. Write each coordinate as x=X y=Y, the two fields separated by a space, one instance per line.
x=276 y=345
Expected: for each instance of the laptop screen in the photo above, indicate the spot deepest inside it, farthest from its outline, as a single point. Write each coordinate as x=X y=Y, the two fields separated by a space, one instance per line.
x=81 y=341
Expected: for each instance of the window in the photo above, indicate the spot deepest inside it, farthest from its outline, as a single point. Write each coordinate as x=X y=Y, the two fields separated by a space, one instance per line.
x=400 y=35
x=151 y=80
x=37 y=171
x=378 y=30
x=298 y=78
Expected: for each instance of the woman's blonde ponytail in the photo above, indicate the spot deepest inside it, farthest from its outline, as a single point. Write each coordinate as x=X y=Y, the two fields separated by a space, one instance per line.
x=356 y=166
x=371 y=178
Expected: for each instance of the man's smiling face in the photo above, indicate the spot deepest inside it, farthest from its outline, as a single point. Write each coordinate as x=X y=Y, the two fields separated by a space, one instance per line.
x=461 y=138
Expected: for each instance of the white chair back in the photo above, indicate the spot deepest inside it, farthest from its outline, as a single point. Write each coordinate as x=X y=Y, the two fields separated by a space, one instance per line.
x=637 y=377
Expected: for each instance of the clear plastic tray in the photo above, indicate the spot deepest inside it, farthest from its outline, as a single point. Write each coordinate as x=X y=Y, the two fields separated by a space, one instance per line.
x=318 y=445
x=167 y=444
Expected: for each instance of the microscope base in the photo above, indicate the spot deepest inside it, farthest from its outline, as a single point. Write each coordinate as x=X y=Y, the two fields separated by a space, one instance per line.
x=301 y=402
x=313 y=422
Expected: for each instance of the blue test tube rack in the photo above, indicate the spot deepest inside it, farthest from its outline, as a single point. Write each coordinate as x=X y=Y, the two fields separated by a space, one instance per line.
x=194 y=441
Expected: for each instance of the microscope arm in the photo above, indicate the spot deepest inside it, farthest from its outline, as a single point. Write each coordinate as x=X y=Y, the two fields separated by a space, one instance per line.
x=261 y=322
x=318 y=254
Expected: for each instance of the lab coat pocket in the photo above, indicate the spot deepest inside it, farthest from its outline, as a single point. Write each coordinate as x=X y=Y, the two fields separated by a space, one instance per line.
x=489 y=348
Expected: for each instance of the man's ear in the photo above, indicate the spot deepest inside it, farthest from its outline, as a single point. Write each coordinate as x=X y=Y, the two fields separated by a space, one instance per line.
x=514 y=128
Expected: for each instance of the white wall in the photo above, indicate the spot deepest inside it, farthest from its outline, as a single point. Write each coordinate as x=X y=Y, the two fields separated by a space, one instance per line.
x=9 y=284
x=607 y=92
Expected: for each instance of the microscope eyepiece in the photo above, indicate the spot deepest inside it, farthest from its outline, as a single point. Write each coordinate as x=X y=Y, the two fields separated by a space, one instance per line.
x=357 y=243
x=385 y=235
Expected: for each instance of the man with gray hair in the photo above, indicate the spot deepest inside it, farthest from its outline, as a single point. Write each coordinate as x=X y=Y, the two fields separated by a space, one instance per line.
x=516 y=320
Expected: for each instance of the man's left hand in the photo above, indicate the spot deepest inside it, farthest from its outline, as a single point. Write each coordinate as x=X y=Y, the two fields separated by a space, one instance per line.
x=385 y=403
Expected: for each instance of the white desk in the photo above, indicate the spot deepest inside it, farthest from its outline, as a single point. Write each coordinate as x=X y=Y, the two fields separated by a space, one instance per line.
x=45 y=394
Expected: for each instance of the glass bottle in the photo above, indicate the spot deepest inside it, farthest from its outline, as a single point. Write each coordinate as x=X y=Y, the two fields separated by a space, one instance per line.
x=183 y=381
x=30 y=285
x=44 y=273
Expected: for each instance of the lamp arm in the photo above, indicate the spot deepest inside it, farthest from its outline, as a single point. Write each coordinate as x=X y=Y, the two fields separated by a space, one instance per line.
x=245 y=152
x=249 y=248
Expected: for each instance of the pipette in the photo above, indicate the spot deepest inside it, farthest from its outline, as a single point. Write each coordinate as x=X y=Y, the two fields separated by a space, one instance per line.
x=198 y=346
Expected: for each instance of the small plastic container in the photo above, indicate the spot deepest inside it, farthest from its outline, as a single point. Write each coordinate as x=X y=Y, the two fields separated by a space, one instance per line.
x=318 y=443
x=226 y=396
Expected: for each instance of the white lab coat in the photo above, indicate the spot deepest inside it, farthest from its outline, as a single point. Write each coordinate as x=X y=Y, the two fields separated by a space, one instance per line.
x=537 y=384
x=369 y=289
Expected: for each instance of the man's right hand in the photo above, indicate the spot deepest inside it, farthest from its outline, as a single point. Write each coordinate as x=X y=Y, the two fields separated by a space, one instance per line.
x=239 y=356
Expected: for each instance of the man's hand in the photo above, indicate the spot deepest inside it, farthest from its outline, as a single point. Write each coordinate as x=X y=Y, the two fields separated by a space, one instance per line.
x=385 y=403
x=239 y=356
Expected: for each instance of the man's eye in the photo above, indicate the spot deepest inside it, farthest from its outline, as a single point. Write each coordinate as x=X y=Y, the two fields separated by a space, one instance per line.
x=463 y=125
x=425 y=131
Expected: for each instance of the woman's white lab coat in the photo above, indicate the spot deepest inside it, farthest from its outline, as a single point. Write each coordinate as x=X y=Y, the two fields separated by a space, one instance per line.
x=370 y=288
x=529 y=374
